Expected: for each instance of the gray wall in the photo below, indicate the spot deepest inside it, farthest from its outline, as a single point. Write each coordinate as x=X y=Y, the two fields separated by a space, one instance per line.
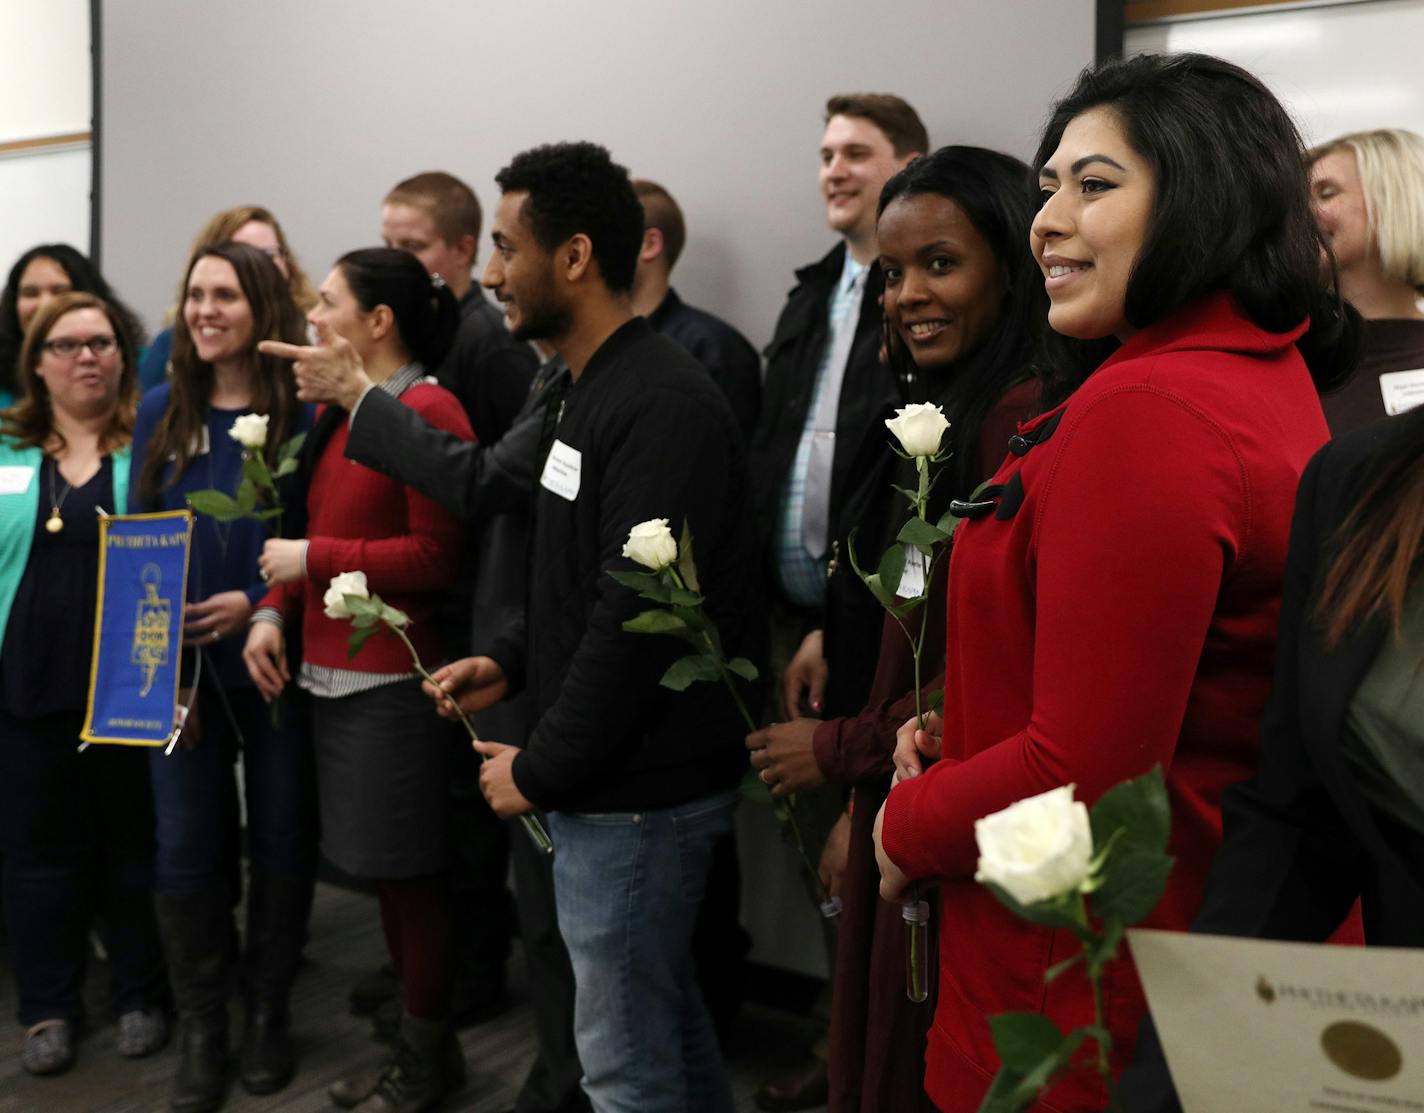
x=315 y=108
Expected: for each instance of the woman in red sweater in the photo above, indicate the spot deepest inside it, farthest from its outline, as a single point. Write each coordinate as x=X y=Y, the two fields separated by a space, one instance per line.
x=1113 y=599
x=383 y=758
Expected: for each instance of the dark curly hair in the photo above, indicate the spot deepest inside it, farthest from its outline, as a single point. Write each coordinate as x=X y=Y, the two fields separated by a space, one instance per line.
x=1232 y=209
x=426 y=314
x=84 y=278
x=577 y=187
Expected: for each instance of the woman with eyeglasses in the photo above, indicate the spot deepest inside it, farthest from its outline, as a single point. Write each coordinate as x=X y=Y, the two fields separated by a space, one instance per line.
x=76 y=829
x=39 y=275
x=234 y=298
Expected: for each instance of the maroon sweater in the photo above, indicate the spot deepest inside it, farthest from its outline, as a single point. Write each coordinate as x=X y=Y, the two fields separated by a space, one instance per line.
x=362 y=521
x=1118 y=611
x=877 y=1034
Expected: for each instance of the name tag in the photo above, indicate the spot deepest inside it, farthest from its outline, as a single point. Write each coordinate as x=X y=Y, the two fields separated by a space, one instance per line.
x=15 y=479
x=1402 y=390
x=912 y=579
x=562 y=471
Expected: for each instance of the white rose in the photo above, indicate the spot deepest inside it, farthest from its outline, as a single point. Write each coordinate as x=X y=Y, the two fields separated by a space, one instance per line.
x=920 y=428
x=651 y=544
x=1036 y=849
x=347 y=583
x=250 y=430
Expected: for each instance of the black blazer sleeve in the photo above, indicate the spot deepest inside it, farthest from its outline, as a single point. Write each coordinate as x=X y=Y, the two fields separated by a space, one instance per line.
x=469 y=480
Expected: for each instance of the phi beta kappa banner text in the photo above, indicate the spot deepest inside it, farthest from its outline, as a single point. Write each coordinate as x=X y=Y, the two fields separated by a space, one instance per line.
x=138 y=628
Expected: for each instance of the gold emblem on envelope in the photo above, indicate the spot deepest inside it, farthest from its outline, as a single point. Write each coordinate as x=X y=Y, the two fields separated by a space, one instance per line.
x=150 y=641
x=1362 y=1050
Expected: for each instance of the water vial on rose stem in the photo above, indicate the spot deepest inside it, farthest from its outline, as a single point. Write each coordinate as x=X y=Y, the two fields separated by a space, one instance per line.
x=916 y=914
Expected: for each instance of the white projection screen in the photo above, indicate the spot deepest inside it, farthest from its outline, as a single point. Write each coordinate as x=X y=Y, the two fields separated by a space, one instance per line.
x=316 y=108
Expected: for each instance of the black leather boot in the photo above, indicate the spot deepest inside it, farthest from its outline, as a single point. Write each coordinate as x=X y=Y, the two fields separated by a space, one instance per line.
x=197 y=931
x=277 y=910
x=428 y=1064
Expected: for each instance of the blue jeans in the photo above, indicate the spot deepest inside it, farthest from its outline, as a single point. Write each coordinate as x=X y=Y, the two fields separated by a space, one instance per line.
x=627 y=887
x=195 y=795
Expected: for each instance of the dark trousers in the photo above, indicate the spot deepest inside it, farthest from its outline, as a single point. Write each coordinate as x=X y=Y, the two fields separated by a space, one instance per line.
x=553 y=1082
x=76 y=835
x=478 y=872
x=196 y=800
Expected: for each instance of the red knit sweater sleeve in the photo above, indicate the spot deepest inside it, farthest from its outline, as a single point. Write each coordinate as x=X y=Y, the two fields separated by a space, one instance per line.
x=286 y=600
x=425 y=557
x=1141 y=511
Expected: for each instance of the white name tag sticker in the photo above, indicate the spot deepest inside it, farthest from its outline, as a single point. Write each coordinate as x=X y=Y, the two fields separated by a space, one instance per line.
x=1402 y=390
x=15 y=480
x=562 y=471
x=912 y=579
x=199 y=446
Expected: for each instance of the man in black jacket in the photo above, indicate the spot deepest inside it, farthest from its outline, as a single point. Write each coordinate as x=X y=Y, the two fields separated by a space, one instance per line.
x=640 y=780
x=824 y=394
x=729 y=358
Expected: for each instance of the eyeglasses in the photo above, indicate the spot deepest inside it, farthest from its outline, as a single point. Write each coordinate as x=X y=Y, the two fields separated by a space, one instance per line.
x=67 y=347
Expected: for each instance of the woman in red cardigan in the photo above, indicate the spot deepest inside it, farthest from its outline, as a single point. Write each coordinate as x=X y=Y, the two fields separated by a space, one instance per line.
x=383 y=758
x=1113 y=598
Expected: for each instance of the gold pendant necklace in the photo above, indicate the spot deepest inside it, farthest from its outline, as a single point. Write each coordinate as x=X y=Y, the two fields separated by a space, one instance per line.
x=54 y=523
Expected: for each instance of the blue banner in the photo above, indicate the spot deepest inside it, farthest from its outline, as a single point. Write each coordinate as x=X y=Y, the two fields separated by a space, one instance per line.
x=138 y=628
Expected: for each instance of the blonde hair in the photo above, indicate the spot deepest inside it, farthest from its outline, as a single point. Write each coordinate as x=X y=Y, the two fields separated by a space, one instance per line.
x=1390 y=162
x=222 y=226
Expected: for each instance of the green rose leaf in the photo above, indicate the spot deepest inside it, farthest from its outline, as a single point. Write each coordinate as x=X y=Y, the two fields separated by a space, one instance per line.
x=649 y=585
x=1140 y=808
x=285 y=467
x=361 y=605
x=1134 y=880
x=359 y=638
x=361 y=621
x=215 y=504
x=293 y=446
x=919 y=532
x=1051 y=974
x=682 y=674
x=680 y=598
x=1035 y=1081
x=1024 y=1040
x=1059 y=913
x=743 y=668
x=394 y=616
x=654 y=622
x=907 y=607
x=246 y=497
x=686 y=566
x=254 y=468
x=892 y=568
